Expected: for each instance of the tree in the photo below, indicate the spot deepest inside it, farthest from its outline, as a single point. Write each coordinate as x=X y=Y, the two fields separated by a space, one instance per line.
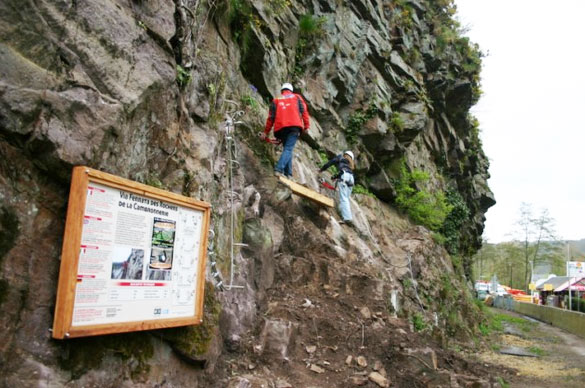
x=513 y=254
x=537 y=234
x=545 y=232
x=525 y=222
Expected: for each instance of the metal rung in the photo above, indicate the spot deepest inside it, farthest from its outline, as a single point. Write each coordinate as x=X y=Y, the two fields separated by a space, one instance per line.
x=236 y=162
x=241 y=245
x=229 y=286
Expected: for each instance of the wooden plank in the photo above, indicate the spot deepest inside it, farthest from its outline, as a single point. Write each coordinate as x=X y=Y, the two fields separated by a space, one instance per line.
x=307 y=193
x=200 y=286
x=93 y=330
x=70 y=253
x=142 y=189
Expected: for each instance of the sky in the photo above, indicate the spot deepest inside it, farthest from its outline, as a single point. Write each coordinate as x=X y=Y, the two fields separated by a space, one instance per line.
x=532 y=111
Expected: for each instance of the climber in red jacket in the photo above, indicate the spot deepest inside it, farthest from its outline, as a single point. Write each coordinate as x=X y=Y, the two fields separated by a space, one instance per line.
x=290 y=117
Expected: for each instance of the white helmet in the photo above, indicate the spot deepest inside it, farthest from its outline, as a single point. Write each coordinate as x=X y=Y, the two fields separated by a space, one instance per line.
x=350 y=154
x=287 y=86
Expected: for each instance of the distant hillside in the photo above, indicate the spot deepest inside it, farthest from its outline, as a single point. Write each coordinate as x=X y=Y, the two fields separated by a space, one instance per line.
x=577 y=249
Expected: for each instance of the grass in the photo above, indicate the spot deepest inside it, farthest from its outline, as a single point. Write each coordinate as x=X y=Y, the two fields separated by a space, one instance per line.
x=396 y=123
x=503 y=383
x=250 y=101
x=418 y=322
x=495 y=321
x=520 y=323
x=310 y=31
x=359 y=189
x=183 y=77
x=484 y=329
x=311 y=26
x=536 y=350
x=356 y=120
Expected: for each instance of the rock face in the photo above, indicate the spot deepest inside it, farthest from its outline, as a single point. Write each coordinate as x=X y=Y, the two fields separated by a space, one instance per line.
x=141 y=89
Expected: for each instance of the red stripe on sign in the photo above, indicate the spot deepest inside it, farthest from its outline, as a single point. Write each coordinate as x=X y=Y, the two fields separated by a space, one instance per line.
x=86 y=276
x=89 y=246
x=92 y=218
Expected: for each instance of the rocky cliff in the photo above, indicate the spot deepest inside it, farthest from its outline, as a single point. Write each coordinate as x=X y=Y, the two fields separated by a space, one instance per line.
x=142 y=89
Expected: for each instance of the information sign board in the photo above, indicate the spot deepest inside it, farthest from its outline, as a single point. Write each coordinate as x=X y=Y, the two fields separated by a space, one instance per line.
x=575 y=268
x=133 y=258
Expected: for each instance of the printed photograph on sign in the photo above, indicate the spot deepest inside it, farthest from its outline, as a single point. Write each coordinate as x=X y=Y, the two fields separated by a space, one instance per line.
x=161 y=253
x=127 y=263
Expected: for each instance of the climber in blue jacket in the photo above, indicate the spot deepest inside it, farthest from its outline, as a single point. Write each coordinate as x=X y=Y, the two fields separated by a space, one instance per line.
x=345 y=165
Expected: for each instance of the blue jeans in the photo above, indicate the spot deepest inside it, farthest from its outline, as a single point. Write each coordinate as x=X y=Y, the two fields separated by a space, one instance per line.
x=284 y=164
x=344 y=189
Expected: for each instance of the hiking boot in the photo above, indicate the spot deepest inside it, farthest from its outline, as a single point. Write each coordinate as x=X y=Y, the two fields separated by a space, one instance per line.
x=278 y=174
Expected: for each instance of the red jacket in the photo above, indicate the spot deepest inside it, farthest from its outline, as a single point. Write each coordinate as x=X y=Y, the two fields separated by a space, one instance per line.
x=288 y=110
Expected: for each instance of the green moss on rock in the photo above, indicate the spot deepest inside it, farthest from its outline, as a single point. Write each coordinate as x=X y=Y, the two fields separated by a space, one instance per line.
x=84 y=354
x=193 y=342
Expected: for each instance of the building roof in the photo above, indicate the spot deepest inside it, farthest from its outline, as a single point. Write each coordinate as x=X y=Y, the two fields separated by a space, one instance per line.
x=561 y=283
x=556 y=281
x=577 y=284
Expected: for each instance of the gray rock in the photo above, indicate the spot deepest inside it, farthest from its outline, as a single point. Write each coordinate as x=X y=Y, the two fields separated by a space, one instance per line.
x=426 y=355
x=277 y=338
x=379 y=379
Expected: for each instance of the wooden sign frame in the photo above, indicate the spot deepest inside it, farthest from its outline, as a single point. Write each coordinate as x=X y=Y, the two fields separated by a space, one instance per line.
x=82 y=177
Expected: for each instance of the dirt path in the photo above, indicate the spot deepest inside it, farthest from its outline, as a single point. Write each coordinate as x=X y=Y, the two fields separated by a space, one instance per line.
x=560 y=356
